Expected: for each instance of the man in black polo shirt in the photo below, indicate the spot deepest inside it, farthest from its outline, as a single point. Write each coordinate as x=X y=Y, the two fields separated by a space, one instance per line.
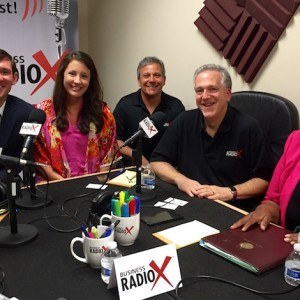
x=149 y=99
x=215 y=151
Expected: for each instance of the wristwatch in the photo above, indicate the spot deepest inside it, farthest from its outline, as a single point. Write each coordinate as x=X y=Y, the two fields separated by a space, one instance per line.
x=233 y=192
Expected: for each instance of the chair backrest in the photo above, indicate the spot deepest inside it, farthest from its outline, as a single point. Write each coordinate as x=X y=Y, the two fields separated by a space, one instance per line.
x=277 y=116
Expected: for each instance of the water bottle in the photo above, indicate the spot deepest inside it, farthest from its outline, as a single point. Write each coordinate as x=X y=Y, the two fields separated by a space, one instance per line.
x=148 y=178
x=292 y=267
x=107 y=260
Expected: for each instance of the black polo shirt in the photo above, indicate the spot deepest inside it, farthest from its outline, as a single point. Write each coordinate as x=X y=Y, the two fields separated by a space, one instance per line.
x=238 y=152
x=131 y=110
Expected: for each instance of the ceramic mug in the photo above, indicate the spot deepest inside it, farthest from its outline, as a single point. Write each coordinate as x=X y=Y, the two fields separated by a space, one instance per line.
x=127 y=230
x=93 y=248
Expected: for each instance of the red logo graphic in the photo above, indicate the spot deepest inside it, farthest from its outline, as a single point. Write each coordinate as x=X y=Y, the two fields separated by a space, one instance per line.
x=160 y=271
x=239 y=153
x=34 y=9
x=128 y=230
x=34 y=127
x=50 y=70
x=152 y=128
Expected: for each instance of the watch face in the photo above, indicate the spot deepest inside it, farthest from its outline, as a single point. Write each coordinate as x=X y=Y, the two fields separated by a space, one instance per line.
x=233 y=191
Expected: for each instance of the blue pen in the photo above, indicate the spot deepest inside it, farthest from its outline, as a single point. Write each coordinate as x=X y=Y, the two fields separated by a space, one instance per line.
x=125 y=210
x=84 y=231
x=106 y=233
x=137 y=204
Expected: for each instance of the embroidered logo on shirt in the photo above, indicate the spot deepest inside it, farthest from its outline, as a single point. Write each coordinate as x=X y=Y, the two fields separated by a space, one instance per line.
x=232 y=153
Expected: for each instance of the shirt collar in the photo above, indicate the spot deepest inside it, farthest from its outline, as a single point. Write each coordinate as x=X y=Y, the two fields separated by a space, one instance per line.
x=2 y=108
x=162 y=104
x=226 y=122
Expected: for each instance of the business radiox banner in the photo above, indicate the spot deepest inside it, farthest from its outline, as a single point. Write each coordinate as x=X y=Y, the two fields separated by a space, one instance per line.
x=38 y=38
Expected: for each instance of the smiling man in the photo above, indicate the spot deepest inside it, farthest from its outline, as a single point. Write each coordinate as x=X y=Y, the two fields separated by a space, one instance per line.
x=215 y=151
x=135 y=107
x=13 y=111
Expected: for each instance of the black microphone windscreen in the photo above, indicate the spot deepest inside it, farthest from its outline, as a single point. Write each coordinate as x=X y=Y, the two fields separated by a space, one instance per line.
x=159 y=119
x=37 y=116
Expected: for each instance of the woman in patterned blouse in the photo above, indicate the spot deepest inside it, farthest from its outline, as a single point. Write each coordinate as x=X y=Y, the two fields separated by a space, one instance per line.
x=79 y=134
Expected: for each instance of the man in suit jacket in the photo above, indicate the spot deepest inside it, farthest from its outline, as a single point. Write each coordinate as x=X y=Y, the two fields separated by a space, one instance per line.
x=13 y=111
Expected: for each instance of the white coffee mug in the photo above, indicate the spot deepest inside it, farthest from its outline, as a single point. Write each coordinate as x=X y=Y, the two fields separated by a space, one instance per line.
x=127 y=230
x=93 y=248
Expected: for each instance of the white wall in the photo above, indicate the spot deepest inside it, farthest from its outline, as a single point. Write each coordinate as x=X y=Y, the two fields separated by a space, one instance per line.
x=119 y=33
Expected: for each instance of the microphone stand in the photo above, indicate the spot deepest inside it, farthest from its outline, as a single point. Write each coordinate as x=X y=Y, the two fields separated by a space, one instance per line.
x=143 y=194
x=14 y=235
x=33 y=199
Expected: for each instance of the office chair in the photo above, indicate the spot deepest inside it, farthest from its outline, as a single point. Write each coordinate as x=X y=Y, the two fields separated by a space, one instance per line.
x=277 y=116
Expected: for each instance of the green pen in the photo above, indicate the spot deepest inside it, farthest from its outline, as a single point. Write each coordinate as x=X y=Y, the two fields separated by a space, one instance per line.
x=113 y=203
x=117 y=209
x=126 y=196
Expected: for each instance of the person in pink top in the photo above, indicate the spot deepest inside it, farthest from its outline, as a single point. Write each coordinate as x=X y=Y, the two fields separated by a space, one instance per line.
x=282 y=201
x=79 y=134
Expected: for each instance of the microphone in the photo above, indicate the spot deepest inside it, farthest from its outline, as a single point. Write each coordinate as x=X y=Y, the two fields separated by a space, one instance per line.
x=59 y=9
x=32 y=129
x=148 y=127
x=9 y=160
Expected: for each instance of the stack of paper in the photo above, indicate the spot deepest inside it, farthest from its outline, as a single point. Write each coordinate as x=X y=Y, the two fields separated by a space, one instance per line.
x=126 y=179
x=185 y=234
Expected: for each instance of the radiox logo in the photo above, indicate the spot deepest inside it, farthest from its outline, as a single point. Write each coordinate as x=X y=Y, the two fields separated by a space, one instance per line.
x=234 y=153
x=144 y=275
x=96 y=250
x=150 y=126
x=126 y=230
x=31 y=127
x=33 y=73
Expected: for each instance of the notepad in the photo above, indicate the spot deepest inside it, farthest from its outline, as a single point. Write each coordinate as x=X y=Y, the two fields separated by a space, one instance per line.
x=185 y=234
x=126 y=179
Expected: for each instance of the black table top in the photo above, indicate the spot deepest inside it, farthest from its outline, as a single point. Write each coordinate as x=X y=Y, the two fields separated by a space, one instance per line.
x=46 y=269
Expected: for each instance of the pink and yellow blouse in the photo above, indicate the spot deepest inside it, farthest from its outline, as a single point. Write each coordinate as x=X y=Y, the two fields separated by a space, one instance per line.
x=101 y=147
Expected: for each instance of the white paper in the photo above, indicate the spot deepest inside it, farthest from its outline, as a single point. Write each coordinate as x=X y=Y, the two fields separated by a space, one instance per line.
x=96 y=186
x=187 y=233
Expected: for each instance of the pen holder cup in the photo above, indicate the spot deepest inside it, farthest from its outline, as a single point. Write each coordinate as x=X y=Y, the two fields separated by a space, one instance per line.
x=127 y=230
x=93 y=248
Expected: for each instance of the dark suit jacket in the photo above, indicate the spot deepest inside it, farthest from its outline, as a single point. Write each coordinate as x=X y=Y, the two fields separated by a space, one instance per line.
x=15 y=113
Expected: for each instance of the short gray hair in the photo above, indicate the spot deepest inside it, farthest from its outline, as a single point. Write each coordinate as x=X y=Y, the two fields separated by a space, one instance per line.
x=149 y=60
x=225 y=80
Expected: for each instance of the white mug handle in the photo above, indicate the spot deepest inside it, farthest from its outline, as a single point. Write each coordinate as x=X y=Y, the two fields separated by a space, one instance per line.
x=105 y=217
x=77 y=239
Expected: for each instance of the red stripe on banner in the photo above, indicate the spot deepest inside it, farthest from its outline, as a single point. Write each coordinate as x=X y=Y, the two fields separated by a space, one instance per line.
x=26 y=10
x=41 y=8
x=34 y=7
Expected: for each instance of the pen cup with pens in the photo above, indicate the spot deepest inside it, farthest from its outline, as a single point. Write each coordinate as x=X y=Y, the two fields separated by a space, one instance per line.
x=94 y=243
x=125 y=209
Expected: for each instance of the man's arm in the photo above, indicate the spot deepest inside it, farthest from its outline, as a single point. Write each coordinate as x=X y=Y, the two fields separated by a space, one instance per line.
x=249 y=189
x=168 y=173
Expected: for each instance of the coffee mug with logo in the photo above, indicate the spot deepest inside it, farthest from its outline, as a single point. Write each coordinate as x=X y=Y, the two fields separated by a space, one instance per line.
x=127 y=230
x=93 y=248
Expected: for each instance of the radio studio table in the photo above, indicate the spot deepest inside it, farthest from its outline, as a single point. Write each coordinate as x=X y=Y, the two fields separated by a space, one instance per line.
x=45 y=269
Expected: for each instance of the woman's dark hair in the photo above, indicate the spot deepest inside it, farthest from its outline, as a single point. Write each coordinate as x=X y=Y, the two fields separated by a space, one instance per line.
x=92 y=98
